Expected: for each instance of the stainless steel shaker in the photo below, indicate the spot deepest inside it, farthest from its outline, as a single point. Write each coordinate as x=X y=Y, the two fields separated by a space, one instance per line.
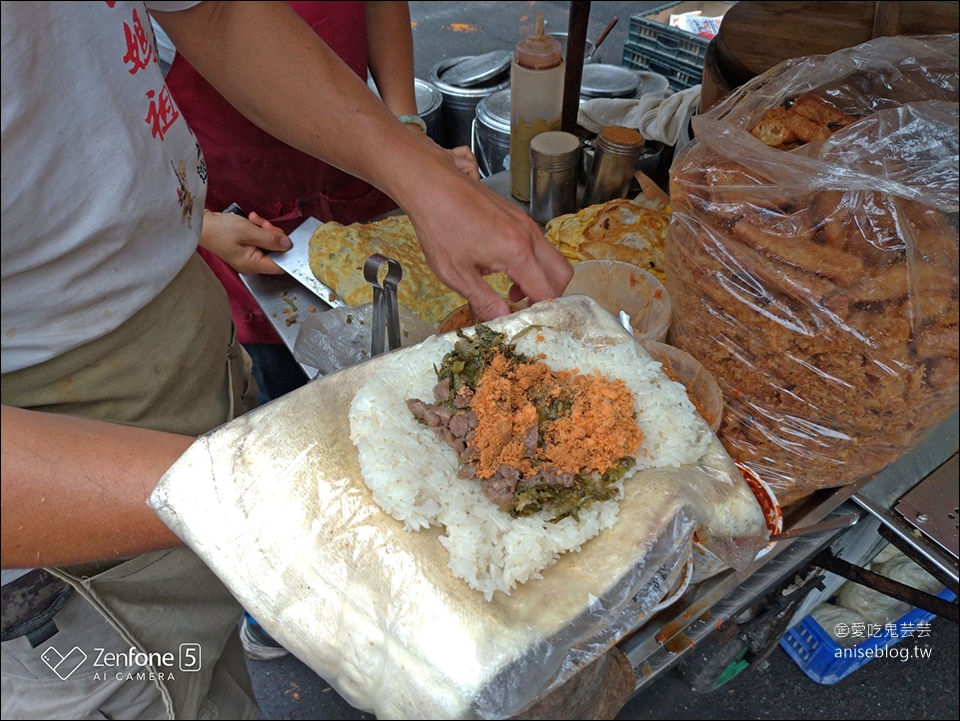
x=554 y=161
x=615 y=154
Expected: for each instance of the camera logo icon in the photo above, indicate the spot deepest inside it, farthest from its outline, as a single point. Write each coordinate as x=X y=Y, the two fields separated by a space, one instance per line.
x=63 y=664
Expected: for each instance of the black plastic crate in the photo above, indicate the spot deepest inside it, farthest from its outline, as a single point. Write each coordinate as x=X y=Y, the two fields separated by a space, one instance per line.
x=668 y=47
x=657 y=39
x=680 y=75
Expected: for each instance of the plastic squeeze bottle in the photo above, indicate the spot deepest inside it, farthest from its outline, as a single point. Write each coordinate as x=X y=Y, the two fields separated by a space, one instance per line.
x=536 y=101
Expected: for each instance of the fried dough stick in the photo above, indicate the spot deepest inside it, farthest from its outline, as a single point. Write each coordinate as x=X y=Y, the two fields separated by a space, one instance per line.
x=814 y=108
x=808 y=120
x=780 y=127
x=822 y=260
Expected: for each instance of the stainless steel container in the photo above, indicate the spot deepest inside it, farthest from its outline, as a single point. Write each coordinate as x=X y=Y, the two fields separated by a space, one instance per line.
x=590 y=53
x=652 y=160
x=429 y=103
x=653 y=83
x=615 y=153
x=460 y=103
x=609 y=81
x=554 y=158
x=490 y=136
x=613 y=81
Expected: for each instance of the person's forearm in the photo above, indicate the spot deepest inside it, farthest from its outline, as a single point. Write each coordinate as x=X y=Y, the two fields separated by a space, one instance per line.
x=75 y=490
x=275 y=70
x=390 y=55
x=246 y=51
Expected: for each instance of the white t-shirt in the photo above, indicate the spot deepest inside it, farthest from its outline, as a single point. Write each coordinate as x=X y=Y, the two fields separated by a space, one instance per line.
x=103 y=181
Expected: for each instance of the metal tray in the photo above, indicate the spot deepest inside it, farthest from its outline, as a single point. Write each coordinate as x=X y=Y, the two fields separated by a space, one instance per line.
x=299 y=284
x=296 y=262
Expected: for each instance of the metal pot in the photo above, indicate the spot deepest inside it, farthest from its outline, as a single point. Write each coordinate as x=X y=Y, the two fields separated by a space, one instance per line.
x=490 y=137
x=609 y=81
x=429 y=103
x=460 y=103
x=590 y=53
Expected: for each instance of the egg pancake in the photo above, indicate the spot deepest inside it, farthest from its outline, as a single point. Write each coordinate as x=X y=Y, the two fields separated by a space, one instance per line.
x=338 y=252
x=617 y=230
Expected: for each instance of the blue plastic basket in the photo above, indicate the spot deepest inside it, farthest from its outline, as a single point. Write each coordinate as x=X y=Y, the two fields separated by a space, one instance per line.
x=826 y=662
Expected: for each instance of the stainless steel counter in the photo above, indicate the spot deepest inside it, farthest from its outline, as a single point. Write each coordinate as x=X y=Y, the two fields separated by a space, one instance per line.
x=286 y=303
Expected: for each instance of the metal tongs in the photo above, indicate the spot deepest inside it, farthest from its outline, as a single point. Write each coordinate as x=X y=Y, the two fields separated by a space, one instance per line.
x=386 y=312
x=831 y=524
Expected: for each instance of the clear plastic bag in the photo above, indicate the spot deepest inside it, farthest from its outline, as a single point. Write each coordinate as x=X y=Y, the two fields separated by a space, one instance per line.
x=819 y=284
x=341 y=337
x=877 y=608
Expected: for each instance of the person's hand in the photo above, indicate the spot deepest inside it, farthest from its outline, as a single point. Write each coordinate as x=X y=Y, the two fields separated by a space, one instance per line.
x=467 y=231
x=466 y=161
x=241 y=242
x=260 y=55
x=462 y=156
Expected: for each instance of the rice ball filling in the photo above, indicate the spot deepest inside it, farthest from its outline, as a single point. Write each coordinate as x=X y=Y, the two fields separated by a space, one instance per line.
x=536 y=438
x=412 y=471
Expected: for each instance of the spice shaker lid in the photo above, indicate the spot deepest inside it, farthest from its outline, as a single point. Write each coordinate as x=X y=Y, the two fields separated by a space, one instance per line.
x=478 y=68
x=539 y=51
x=555 y=148
x=554 y=143
x=620 y=138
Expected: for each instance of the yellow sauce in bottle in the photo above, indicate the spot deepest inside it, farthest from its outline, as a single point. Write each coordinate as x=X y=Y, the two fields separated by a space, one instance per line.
x=536 y=101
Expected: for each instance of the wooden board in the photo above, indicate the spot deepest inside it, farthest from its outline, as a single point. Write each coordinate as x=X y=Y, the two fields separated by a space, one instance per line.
x=755 y=36
x=714 y=86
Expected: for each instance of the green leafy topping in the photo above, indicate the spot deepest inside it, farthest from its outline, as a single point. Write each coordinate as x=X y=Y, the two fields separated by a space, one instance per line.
x=563 y=502
x=470 y=356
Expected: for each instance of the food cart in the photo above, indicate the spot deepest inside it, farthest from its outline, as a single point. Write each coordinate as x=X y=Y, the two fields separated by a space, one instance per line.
x=717 y=626
x=738 y=617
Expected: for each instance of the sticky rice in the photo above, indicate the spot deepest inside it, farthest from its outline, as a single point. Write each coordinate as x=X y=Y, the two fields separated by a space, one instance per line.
x=412 y=472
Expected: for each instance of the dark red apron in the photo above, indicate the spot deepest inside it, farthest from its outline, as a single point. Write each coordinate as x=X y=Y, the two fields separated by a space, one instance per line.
x=247 y=166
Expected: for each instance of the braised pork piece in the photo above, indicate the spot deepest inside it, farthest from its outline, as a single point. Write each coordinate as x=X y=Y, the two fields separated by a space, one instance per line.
x=534 y=437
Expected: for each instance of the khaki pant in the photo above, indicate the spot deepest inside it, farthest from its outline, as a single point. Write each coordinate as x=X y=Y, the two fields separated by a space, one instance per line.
x=175 y=366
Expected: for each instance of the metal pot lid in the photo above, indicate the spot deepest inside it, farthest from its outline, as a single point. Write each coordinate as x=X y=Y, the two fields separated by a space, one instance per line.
x=608 y=81
x=429 y=98
x=477 y=69
x=652 y=82
x=494 y=110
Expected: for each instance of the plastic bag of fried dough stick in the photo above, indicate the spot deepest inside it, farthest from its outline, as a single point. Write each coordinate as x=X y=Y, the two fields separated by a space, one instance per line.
x=812 y=259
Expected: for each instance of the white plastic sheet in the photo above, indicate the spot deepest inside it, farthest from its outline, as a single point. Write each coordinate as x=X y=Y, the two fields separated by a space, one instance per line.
x=275 y=503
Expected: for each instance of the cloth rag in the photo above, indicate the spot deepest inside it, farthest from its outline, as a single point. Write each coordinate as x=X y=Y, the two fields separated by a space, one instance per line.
x=663 y=119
